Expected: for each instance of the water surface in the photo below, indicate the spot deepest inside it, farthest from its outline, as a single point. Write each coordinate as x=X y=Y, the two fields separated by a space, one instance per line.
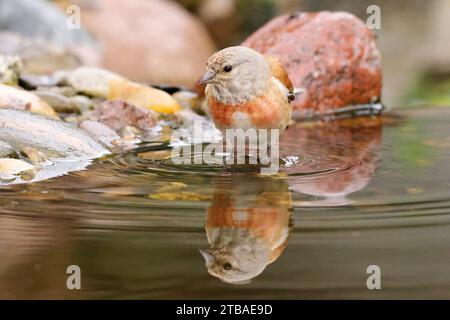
x=352 y=193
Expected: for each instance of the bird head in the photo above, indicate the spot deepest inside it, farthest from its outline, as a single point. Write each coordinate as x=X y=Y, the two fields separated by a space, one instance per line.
x=236 y=74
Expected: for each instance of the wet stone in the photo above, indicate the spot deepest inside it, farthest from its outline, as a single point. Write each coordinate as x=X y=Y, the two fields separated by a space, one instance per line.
x=34 y=156
x=13 y=166
x=99 y=132
x=54 y=138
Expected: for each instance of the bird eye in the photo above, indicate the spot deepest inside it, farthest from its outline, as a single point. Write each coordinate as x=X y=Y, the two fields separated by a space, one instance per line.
x=227 y=266
x=227 y=68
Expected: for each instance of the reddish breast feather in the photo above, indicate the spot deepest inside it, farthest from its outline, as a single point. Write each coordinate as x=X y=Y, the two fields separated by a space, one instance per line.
x=221 y=113
x=262 y=111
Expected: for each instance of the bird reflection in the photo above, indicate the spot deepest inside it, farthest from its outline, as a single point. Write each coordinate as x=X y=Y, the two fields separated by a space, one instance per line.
x=247 y=226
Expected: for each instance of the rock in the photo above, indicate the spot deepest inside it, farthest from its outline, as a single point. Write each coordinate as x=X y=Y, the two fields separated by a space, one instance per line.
x=332 y=55
x=65 y=91
x=37 y=55
x=10 y=68
x=18 y=99
x=34 y=156
x=6 y=150
x=83 y=103
x=187 y=117
x=104 y=84
x=66 y=100
x=143 y=96
x=99 y=132
x=92 y=81
x=54 y=138
x=129 y=133
x=188 y=99
x=190 y=122
x=155 y=41
x=13 y=166
x=46 y=38
x=33 y=81
x=118 y=115
x=57 y=101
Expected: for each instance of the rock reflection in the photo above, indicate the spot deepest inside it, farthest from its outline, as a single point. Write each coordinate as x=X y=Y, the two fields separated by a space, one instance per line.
x=354 y=144
x=247 y=226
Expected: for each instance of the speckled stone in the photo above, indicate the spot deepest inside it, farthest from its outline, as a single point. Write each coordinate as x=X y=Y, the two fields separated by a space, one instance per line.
x=332 y=55
x=118 y=114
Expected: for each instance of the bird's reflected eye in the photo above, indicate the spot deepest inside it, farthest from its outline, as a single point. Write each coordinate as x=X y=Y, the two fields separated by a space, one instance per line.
x=227 y=266
x=227 y=68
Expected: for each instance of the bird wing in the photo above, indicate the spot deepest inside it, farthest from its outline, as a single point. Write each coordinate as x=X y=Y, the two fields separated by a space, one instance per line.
x=279 y=72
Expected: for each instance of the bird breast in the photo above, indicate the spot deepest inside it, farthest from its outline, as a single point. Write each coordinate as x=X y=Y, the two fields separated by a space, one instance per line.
x=270 y=109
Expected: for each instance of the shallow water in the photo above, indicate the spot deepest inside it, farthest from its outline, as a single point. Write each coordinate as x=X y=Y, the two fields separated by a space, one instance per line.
x=350 y=194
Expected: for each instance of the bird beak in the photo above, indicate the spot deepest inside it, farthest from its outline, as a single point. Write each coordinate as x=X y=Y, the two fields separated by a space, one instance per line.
x=209 y=258
x=207 y=77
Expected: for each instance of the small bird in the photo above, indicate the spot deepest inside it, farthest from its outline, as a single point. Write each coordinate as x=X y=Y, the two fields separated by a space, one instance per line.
x=246 y=89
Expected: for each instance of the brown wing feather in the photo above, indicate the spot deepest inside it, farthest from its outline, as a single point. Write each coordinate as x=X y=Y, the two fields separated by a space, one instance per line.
x=278 y=71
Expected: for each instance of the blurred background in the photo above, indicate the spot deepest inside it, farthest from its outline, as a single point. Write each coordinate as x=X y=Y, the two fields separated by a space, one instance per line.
x=168 y=41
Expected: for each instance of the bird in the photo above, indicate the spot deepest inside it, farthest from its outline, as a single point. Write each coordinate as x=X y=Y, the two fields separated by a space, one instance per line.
x=246 y=89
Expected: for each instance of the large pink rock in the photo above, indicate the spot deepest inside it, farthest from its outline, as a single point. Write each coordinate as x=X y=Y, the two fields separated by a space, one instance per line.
x=155 y=41
x=332 y=55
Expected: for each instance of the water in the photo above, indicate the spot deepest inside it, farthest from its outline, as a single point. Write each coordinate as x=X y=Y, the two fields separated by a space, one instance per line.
x=350 y=194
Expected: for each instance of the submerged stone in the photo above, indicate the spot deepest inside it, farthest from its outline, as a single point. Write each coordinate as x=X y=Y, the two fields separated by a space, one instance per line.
x=54 y=138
